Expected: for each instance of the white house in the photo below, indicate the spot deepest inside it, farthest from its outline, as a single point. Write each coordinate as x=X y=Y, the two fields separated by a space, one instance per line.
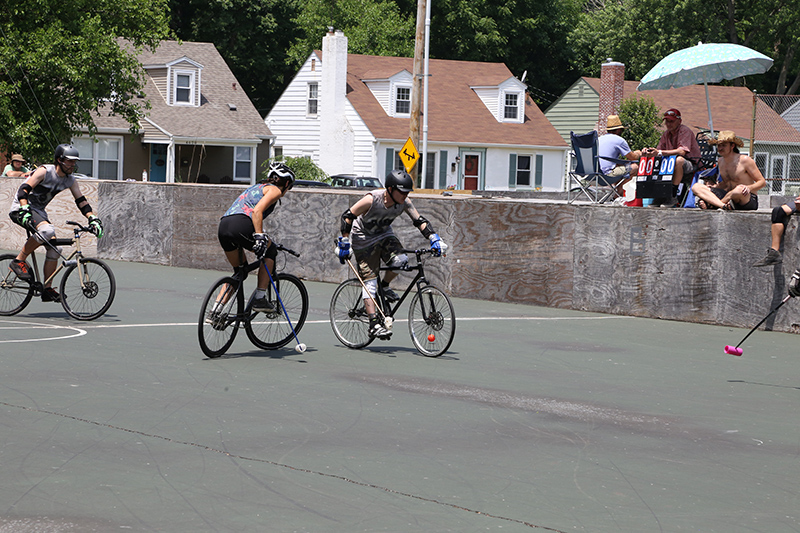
x=350 y=114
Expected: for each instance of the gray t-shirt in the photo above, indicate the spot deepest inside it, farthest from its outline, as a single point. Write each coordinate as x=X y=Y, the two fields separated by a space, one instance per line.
x=376 y=223
x=51 y=185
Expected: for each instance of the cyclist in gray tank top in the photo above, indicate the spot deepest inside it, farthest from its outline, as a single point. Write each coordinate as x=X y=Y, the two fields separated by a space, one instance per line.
x=28 y=210
x=369 y=224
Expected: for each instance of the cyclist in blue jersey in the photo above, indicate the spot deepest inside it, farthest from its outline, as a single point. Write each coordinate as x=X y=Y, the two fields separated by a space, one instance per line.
x=242 y=226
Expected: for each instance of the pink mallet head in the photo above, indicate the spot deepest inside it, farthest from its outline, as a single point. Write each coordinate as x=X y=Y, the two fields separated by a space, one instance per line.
x=733 y=350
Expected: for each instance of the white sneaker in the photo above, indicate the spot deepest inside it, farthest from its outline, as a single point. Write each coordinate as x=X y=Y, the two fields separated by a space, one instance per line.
x=377 y=330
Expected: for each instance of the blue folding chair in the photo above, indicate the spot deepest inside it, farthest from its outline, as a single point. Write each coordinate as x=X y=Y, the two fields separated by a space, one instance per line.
x=590 y=181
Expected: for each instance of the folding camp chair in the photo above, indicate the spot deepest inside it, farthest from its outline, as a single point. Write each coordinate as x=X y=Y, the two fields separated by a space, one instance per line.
x=590 y=181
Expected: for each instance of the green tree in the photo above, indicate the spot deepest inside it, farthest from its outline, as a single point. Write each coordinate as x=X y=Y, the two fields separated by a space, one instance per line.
x=251 y=35
x=304 y=169
x=60 y=61
x=372 y=27
x=642 y=120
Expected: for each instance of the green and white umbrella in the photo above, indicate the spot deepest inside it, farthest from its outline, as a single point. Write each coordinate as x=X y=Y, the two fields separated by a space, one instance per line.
x=705 y=63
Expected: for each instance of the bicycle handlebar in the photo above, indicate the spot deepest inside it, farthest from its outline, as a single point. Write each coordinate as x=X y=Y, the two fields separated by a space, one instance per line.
x=282 y=248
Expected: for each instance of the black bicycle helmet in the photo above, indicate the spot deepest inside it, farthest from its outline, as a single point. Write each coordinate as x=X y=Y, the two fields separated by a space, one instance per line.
x=280 y=173
x=400 y=180
x=66 y=151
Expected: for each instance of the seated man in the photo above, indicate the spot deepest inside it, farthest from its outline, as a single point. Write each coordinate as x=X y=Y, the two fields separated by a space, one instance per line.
x=780 y=217
x=678 y=140
x=614 y=146
x=739 y=176
x=16 y=168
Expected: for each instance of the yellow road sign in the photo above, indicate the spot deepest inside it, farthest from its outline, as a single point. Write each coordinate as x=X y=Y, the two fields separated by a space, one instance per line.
x=409 y=155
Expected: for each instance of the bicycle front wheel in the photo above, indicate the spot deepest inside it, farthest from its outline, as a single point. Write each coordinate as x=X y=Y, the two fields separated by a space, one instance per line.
x=431 y=321
x=15 y=293
x=219 y=317
x=271 y=330
x=349 y=318
x=87 y=289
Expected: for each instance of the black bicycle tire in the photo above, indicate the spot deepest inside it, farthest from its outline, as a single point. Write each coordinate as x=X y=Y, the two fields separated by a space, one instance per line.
x=277 y=321
x=341 y=315
x=26 y=290
x=420 y=328
x=68 y=297
x=232 y=326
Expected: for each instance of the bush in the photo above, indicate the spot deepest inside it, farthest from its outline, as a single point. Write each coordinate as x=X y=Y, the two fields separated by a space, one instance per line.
x=303 y=167
x=642 y=120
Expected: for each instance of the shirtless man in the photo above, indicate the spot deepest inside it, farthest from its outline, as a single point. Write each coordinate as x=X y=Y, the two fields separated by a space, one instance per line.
x=739 y=175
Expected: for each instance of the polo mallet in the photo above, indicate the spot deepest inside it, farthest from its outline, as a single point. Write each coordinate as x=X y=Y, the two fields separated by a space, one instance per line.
x=387 y=320
x=300 y=348
x=735 y=350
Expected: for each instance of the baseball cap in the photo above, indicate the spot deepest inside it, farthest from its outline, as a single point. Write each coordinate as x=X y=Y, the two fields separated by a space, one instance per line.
x=674 y=113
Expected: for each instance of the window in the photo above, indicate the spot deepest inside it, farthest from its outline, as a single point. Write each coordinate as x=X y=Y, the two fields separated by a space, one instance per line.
x=184 y=83
x=102 y=159
x=430 y=170
x=523 y=171
x=313 y=98
x=778 y=173
x=398 y=163
x=241 y=163
x=402 y=103
x=511 y=107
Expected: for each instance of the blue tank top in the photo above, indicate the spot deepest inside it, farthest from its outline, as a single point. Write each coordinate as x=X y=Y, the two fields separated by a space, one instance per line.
x=247 y=201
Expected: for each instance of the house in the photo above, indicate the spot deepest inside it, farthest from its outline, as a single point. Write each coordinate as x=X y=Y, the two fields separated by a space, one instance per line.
x=201 y=126
x=351 y=114
x=585 y=105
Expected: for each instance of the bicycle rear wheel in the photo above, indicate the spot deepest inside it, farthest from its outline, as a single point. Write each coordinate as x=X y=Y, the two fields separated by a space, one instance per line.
x=15 y=293
x=270 y=331
x=218 y=324
x=87 y=289
x=349 y=318
x=431 y=321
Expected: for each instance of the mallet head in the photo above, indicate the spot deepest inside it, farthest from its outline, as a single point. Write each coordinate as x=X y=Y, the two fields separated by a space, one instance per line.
x=733 y=350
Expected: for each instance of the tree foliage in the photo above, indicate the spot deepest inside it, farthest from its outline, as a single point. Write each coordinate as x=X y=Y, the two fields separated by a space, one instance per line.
x=61 y=61
x=251 y=35
x=642 y=120
x=304 y=169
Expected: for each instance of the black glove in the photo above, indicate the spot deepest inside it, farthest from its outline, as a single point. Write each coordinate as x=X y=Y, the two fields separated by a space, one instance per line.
x=96 y=225
x=261 y=244
x=794 y=284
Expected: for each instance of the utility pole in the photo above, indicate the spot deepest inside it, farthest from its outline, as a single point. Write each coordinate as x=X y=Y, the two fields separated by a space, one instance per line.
x=416 y=88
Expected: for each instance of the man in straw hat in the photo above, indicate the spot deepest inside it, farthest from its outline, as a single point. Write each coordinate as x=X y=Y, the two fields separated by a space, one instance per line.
x=739 y=178
x=17 y=168
x=614 y=146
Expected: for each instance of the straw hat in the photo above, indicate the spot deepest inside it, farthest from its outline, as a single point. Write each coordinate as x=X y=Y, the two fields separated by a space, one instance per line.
x=614 y=123
x=727 y=136
x=17 y=157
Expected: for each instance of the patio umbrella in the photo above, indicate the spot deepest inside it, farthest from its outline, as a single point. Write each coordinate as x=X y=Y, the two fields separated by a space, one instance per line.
x=705 y=63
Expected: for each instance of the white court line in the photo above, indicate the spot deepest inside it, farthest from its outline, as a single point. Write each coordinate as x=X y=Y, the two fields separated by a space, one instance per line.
x=36 y=325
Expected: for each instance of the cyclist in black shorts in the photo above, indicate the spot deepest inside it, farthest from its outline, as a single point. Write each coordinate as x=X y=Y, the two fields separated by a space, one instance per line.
x=242 y=226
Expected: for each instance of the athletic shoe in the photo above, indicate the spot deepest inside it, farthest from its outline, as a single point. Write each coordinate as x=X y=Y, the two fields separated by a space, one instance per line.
x=773 y=257
x=263 y=305
x=389 y=294
x=20 y=268
x=377 y=330
x=49 y=294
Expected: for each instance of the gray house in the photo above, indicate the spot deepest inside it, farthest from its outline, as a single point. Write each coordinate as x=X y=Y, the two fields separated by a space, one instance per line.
x=201 y=127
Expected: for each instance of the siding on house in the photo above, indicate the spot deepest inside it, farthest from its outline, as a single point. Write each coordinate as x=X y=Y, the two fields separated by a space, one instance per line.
x=575 y=110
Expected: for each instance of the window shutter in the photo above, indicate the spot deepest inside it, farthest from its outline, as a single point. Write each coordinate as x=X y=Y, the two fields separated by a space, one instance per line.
x=539 y=164
x=389 y=160
x=443 y=169
x=512 y=171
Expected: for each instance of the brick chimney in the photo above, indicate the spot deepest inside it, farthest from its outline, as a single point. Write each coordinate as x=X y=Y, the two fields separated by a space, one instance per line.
x=336 y=134
x=612 y=78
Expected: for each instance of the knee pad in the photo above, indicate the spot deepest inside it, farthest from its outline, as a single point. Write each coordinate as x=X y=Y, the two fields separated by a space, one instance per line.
x=779 y=216
x=399 y=261
x=372 y=288
x=47 y=232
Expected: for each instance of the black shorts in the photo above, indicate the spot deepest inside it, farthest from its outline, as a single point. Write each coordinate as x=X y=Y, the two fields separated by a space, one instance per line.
x=751 y=205
x=236 y=231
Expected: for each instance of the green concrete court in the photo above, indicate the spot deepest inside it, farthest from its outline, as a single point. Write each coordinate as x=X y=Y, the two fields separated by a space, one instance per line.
x=537 y=419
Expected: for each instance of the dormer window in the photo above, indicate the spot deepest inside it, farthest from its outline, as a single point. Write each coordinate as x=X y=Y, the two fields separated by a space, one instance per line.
x=511 y=107
x=402 y=101
x=184 y=87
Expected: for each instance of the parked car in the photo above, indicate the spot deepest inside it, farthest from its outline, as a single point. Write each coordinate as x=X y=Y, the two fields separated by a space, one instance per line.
x=356 y=182
x=310 y=183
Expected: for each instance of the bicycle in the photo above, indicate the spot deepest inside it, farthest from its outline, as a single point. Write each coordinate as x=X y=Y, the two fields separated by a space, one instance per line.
x=87 y=287
x=218 y=325
x=431 y=318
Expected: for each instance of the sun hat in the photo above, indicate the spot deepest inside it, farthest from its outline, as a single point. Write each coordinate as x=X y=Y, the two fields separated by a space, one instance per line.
x=727 y=136
x=614 y=123
x=674 y=113
x=17 y=157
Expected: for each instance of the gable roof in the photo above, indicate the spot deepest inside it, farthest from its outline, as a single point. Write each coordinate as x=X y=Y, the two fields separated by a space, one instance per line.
x=731 y=109
x=213 y=119
x=456 y=113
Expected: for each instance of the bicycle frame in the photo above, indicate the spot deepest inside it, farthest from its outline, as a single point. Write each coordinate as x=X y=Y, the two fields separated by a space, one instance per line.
x=76 y=252
x=419 y=281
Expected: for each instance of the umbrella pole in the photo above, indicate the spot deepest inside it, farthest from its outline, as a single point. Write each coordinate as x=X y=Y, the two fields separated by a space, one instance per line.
x=708 y=106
